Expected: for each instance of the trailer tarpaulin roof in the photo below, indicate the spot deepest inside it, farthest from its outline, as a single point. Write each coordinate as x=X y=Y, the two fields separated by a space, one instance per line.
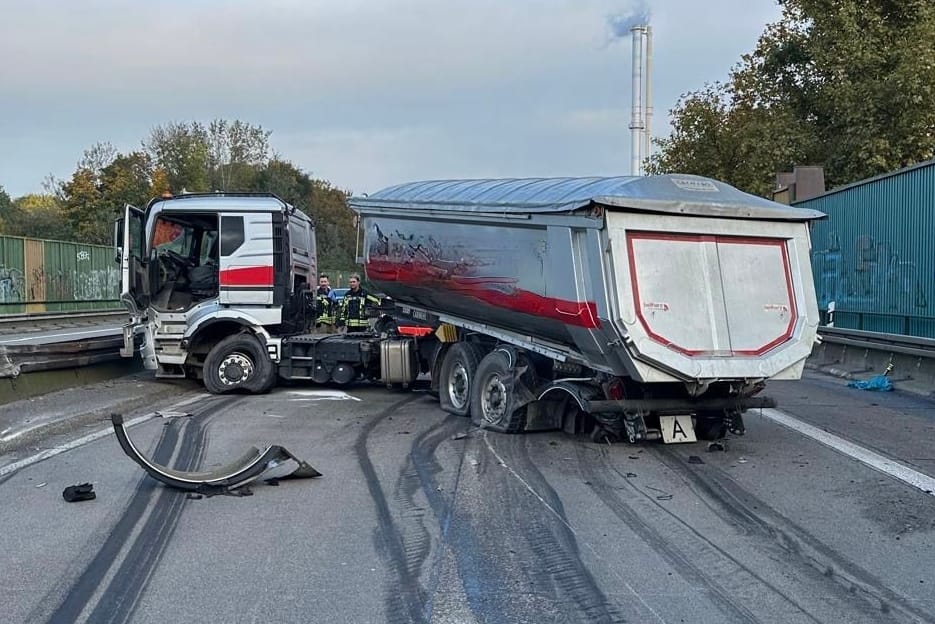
x=674 y=193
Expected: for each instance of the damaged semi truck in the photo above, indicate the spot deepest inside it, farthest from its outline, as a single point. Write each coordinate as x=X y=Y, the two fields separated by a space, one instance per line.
x=641 y=307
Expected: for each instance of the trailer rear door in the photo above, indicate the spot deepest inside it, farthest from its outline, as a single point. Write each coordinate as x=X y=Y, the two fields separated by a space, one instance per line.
x=712 y=295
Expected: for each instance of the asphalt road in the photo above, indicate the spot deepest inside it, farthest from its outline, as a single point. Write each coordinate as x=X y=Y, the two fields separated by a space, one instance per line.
x=420 y=518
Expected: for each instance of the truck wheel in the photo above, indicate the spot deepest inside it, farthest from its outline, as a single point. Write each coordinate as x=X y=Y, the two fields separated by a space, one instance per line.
x=457 y=378
x=710 y=426
x=493 y=405
x=238 y=363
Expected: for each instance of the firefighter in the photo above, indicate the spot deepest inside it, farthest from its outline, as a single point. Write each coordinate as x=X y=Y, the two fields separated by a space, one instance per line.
x=353 y=306
x=325 y=306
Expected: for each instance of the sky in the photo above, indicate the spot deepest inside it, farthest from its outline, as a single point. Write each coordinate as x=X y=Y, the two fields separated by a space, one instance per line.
x=362 y=93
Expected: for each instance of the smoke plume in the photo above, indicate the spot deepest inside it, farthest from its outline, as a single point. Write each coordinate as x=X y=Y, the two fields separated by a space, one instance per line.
x=621 y=23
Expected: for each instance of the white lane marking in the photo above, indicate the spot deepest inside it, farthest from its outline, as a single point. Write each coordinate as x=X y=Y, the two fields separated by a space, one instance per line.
x=568 y=525
x=865 y=456
x=91 y=437
x=58 y=450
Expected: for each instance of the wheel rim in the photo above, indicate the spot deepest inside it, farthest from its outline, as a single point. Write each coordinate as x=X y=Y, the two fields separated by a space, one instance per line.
x=234 y=369
x=459 y=386
x=494 y=400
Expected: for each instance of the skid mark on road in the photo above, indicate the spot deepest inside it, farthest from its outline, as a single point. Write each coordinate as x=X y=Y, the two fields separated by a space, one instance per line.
x=853 y=586
x=572 y=530
x=732 y=586
x=184 y=439
x=405 y=598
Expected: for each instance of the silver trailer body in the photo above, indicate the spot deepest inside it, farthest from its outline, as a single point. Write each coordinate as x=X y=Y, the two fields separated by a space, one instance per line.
x=661 y=279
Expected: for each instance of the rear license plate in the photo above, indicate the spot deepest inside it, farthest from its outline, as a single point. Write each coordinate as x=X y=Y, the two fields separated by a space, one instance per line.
x=677 y=429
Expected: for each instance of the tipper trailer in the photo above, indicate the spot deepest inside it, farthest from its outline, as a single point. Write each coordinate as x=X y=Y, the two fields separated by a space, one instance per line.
x=657 y=305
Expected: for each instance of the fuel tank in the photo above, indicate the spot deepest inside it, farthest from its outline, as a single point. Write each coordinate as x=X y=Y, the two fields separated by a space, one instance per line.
x=661 y=278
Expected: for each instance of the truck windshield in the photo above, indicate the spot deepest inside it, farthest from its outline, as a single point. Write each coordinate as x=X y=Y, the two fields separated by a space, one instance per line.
x=186 y=255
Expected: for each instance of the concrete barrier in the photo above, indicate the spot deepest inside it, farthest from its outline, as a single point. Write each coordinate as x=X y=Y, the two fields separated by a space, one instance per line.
x=850 y=354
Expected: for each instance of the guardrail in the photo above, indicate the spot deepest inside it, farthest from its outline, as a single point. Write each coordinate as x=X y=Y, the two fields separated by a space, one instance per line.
x=909 y=361
x=19 y=359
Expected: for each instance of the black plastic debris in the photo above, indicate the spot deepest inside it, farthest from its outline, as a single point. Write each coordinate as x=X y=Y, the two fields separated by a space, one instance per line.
x=717 y=446
x=80 y=492
x=694 y=459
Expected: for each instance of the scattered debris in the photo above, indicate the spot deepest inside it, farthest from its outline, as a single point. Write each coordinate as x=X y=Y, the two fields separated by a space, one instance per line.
x=694 y=459
x=168 y=414
x=630 y=475
x=717 y=445
x=877 y=383
x=224 y=480
x=663 y=494
x=80 y=492
x=43 y=484
x=742 y=460
x=460 y=436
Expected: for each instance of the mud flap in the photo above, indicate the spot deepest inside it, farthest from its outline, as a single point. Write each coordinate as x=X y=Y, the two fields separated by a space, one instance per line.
x=224 y=479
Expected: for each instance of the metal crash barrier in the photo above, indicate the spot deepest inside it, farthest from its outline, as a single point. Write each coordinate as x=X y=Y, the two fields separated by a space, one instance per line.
x=224 y=479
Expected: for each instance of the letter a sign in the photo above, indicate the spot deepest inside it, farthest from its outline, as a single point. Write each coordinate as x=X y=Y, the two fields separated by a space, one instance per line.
x=677 y=429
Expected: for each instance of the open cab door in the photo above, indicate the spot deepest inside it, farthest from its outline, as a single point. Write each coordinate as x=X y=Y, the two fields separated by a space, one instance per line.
x=134 y=279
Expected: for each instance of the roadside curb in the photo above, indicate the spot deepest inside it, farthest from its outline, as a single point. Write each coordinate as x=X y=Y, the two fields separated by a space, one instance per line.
x=29 y=385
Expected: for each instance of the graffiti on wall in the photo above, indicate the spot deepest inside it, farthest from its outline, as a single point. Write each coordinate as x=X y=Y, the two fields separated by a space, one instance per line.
x=92 y=285
x=11 y=285
x=869 y=275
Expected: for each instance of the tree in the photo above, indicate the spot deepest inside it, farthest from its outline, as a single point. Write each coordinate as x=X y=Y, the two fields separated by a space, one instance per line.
x=181 y=151
x=92 y=200
x=237 y=152
x=320 y=200
x=37 y=216
x=6 y=205
x=845 y=84
x=224 y=156
x=81 y=200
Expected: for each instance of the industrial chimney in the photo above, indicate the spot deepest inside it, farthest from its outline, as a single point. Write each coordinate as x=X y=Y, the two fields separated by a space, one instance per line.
x=641 y=91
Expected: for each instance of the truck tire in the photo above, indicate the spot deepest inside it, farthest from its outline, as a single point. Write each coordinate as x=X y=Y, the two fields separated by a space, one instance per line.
x=457 y=378
x=710 y=426
x=238 y=363
x=495 y=398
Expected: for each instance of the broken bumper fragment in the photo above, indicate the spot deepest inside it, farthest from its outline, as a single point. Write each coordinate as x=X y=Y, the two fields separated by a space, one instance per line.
x=253 y=464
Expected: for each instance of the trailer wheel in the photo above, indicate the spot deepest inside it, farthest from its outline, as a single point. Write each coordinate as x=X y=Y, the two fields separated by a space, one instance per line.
x=457 y=378
x=710 y=426
x=495 y=403
x=238 y=363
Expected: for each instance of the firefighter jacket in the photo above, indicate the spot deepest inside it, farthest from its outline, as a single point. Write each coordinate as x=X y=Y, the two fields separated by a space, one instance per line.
x=324 y=306
x=353 y=309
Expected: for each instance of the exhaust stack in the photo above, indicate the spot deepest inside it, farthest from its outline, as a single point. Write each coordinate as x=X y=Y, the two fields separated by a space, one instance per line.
x=642 y=99
x=636 y=115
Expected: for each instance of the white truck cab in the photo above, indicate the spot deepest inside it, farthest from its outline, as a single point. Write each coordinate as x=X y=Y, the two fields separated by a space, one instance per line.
x=217 y=276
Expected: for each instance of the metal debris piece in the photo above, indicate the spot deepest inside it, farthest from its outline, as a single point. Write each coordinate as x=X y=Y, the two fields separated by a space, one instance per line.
x=223 y=480
x=167 y=414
